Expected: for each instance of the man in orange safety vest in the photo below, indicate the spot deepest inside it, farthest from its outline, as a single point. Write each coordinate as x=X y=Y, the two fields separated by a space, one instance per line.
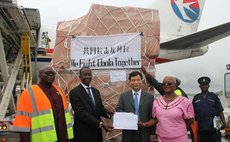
x=42 y=114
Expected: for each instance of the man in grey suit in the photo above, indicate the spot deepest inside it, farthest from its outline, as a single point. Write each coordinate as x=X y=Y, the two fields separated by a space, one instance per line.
x=140 y=103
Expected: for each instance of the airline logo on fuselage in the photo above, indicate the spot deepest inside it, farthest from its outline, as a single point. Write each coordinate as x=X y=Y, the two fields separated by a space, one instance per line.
x=187 y=10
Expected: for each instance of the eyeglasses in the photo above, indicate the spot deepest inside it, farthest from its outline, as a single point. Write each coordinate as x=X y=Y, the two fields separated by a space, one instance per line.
x=167 y=84
x=50 y=73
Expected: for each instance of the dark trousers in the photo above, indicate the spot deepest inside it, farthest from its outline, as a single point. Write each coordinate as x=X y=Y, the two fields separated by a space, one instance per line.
x=209 y=136
x=136 y=136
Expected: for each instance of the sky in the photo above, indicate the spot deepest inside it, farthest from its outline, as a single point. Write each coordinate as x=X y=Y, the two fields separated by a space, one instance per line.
x=211 y=64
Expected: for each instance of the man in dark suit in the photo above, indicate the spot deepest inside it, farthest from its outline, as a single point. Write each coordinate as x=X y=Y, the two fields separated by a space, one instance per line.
x=88 y=109
x=140 y=103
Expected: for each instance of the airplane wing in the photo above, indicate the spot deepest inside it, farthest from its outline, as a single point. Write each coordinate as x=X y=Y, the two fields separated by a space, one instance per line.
x=198 y=39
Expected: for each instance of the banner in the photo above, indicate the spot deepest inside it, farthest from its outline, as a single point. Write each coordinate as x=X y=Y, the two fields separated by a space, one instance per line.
x=106 y=52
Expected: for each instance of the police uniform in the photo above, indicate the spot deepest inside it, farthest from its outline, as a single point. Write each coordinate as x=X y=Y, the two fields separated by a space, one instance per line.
x=205 y=110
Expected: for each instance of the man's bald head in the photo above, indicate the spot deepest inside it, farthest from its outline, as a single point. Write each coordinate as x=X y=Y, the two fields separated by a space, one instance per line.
x=45 y=68
x=46 y=74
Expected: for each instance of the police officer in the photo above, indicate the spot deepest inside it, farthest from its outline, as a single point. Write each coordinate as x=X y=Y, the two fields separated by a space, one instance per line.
x=206 y=106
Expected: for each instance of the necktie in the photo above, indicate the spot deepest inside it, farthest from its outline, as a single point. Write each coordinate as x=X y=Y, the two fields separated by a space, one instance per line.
x=136 y=103
x=90 y=95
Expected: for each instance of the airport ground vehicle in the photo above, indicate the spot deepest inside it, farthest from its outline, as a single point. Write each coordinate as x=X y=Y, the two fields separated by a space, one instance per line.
x=226 y=92
x=19 y=30
x=13 y=87
x=227 y=83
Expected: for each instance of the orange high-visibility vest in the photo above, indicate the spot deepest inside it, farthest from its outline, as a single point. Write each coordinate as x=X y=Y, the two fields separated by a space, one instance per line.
x=34 y=115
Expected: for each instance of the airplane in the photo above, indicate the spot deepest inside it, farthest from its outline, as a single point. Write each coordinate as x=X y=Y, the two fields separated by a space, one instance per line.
x=179 y=38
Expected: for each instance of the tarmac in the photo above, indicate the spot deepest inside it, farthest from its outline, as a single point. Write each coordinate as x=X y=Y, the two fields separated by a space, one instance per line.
x=14 y=137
